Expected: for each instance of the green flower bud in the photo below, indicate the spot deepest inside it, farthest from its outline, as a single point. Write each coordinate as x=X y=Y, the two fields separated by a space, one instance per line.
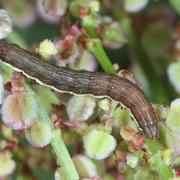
x=60 y=174
x=7 y=165
x=39 y=134
x=161 y=111
x=94 y=6
x=113 y=36
x=173 y=118
x=104 y=104
x=46 y=49
x=99 y=144
x=122 y=117
x=80 y=108
x=85 y=167
x=90 y=21
x=132 y=160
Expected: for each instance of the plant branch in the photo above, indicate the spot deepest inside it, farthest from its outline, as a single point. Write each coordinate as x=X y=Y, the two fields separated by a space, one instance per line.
x=95 y=46
x=63 y=156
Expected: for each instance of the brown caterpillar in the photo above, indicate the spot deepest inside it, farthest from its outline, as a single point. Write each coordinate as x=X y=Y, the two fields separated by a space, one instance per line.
x=83 y=82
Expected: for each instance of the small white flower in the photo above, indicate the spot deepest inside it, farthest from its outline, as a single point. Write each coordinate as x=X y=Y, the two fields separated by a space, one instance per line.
x=47 y=49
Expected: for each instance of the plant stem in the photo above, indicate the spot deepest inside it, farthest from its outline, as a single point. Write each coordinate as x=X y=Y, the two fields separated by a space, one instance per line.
x=95 y=46
x=63 y=156
x=91 y=31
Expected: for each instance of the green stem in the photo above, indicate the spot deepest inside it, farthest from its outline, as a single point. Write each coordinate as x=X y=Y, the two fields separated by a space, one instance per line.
x=89 y=24
x=63 y=156
x=91 y=31
x=95 y=46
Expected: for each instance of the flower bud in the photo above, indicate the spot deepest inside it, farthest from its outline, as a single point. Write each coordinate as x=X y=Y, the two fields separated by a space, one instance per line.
x=127 y=133
x=112 y=34
x=19 y=110
x=94 y=6
x=85 y=167
x=39 y=134
x=22 y=12
x=99 y=144
x=87 y=62
x=50 y=10
x=132 y=160
x=173 y=118
x=46 y=49
x=7 y=165
x=80 y=108
x=104 y=104
x=6 y=24
x=60 y=174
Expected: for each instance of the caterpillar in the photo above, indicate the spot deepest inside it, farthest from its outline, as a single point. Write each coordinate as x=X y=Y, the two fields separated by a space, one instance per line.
x=98 y=84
